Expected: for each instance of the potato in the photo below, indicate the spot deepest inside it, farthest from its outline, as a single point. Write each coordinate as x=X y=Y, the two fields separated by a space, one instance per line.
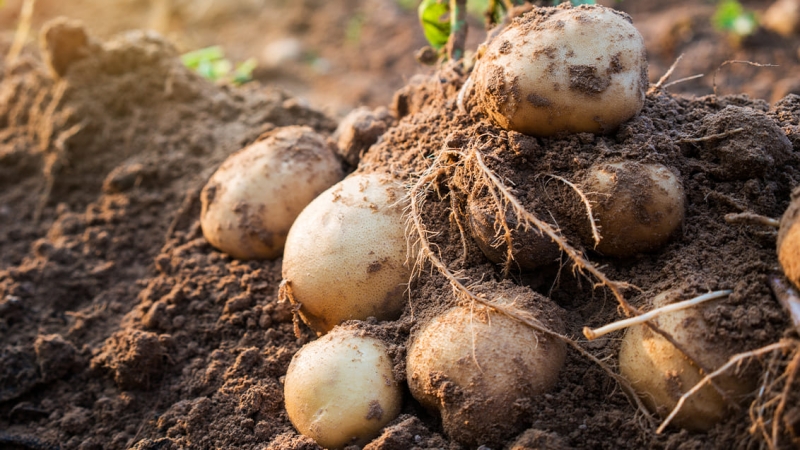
x=251 y=201
x=340 y=389
x=479 y=368
x=530 y=248
x=783 y=17
x=345 y=255
x=789 y=240
x=559 y=69
x=637 y=207
x=660 y=373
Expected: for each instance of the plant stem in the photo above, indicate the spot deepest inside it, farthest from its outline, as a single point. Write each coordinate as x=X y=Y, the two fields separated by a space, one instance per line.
x=458 y=29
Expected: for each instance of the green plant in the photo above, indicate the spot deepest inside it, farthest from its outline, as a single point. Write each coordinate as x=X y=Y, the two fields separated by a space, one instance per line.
x=731 y=17
x=210 y=63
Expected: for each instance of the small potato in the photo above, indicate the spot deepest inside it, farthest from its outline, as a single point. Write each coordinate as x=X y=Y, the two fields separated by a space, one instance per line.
x=660 y=373
x=530 y=248
x=479 y=368
x=340 y=389
x=345 y=255
x=637 y=207
x=251 y=201
x=559 y=69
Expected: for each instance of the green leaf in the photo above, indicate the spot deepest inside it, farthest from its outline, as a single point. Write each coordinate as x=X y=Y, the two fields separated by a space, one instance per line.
x=732 y=17
x=434 y=15
x=194 y=58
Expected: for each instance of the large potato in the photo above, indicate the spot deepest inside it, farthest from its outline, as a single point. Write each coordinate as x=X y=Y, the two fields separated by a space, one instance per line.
x=479 y=368
x=578 y=69
x=340 y=389
x=251 y=201
x=345 y=255
x=661 y=374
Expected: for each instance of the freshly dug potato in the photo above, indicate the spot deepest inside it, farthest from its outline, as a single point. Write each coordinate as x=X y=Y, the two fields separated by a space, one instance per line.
x=251 y=201
x=660 y=373
x=530 y=248
x=479 y=368
x=637 y=207
x=559 y=69
x=783 y=17
x=789 y=240
x=340 y=389
x=345 y=256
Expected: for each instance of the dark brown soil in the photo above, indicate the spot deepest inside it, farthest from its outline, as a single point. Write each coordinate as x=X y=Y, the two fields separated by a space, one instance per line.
x=120 y=326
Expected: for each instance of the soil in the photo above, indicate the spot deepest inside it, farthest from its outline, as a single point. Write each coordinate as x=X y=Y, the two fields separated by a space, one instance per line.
x=121 y=327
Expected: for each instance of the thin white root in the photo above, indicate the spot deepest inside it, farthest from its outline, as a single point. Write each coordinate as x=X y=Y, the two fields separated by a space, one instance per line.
x=638 y=320
x=683 y=80
x=666 y=76
x=752 y=218
x=735 y=359
x=21 y=34
x=595 y=232
x=462 y=93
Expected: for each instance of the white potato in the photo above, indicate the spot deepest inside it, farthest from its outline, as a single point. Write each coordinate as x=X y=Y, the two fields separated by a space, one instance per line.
x=251 y=201
x=472 y=364
x=637 y=207
x=580 y=69
x=661 y=374
x=345 y=255
x=340 y=389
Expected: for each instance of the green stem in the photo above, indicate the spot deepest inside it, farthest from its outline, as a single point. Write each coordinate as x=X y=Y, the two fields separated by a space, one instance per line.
x=458 y=30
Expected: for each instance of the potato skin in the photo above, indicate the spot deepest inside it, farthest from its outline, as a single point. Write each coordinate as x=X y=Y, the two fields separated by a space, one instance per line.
x=789 y=240
x=638 y=207
x=340 y=389
x=251 y=201
x=660 y=373
x=580 y=69
x=345 y=255
x=531 y=248
x=483 y=405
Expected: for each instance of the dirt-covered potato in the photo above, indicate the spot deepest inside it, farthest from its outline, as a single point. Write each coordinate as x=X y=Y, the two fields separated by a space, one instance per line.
x=251 y=201
x=340 y=389
x=530 y=248
x=558 y=69
x=783 y=17
x=661 y=374
x=345 y=256
x=637 y=207
x=479 y=368
x=789 y=240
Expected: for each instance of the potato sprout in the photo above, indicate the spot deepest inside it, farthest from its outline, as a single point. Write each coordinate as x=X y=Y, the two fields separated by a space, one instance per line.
x=251 y=201
x=340 y=389
x=472 y=364
x=345 y=255
x=578 y=69
x=637 y=207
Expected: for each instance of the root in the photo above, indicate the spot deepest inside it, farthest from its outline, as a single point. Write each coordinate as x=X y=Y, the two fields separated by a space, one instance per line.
x=735 y=359
x=21 y=34
x=595 y=232
x=732 y=61
x=713 y=136
x=752 y=218
x=638 y=320
x=666 y=76
x=425 y=253
x=788 y=298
